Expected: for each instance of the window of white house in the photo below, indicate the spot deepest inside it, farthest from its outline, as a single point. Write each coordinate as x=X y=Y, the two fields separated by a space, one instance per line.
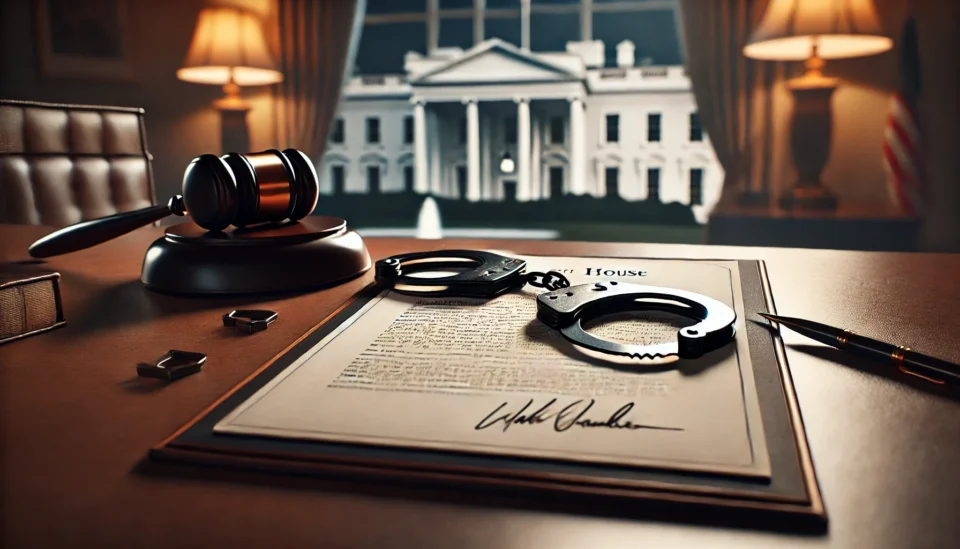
x=373 y=179
x=407 y=130
x=556 y=130
x=556 y=181
x=696 y=186
x=337 y=177
x=373 y=130
x=653 y=127
x=653 y=184
x=613 y=128
x=408 y=178
x=612 y=180
x=337 y=135
x=696 y=130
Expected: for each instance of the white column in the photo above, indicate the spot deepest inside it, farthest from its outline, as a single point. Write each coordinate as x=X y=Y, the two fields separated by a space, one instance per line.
x=486 y=158
x=578 y=148
x=421 y=182
x=434 y=145
x=536 y=185
x=473 y=150
x=523 y=149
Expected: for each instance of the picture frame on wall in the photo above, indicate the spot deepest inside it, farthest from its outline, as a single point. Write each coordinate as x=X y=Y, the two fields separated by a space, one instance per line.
x=87 y=40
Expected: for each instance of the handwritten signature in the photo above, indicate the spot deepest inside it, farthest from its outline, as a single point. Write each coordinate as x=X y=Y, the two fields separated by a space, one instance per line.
x=573 y=414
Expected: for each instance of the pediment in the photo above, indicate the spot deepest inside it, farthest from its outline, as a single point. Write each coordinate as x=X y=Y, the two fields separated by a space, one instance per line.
x=493 y=62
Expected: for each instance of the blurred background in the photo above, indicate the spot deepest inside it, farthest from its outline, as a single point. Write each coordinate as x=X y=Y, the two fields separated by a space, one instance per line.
x=821 y=123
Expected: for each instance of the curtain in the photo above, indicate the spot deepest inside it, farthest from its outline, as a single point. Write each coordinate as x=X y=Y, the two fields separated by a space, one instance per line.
x=940 y=119
x=734 y=94
x=317 y=43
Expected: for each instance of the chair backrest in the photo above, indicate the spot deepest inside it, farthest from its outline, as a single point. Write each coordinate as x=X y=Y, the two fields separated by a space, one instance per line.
x=62 y=164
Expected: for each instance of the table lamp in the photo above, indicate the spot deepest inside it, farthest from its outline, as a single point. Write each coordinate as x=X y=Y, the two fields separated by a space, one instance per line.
x=813 y=31
x=229 y=49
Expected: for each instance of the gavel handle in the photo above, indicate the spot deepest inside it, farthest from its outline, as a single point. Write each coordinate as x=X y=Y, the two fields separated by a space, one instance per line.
x=96 y=231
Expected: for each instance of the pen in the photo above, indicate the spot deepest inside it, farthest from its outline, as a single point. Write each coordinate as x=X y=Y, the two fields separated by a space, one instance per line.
x=926 y=367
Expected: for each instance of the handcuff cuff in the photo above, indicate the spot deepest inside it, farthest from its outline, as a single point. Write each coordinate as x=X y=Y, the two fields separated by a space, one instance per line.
x=563 y=307
x=492 y=274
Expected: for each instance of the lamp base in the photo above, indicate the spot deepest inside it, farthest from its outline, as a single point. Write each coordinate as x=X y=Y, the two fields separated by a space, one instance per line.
x=809 y=197
x=811 y=136
x=234 y=134
x=232 y=101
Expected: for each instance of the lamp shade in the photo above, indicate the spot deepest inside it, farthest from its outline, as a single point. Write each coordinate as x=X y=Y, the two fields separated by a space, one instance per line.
x=229 y=47
x=839 y=28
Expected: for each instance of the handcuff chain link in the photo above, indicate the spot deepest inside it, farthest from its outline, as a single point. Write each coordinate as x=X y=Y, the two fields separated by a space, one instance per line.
x=551 y=280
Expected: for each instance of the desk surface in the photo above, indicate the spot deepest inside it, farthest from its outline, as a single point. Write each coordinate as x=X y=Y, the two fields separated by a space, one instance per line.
x=76 y=422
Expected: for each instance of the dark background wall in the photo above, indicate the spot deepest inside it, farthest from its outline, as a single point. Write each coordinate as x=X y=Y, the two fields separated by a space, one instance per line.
x=937 y=22
x=180 y=118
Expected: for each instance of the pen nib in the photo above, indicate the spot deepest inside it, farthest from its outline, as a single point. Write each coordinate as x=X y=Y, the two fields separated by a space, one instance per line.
x=785 y=321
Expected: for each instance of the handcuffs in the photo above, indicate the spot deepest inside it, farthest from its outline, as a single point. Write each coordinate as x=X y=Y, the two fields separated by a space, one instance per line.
x=564 y=307
x=492 y=274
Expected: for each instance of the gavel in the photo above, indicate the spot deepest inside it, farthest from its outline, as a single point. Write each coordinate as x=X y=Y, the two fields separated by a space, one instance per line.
x=218 y=191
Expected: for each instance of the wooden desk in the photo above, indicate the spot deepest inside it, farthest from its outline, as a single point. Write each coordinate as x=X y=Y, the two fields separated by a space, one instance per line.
x=76 y=422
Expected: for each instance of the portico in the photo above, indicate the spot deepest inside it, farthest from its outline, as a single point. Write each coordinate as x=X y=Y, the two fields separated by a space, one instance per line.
x=491 y=103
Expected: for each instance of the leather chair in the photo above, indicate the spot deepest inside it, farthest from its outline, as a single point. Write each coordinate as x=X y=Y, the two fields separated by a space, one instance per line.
x=62 y=164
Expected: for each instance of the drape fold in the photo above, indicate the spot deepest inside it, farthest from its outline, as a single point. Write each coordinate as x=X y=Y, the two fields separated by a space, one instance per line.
x=317 y=42
x=734 y=94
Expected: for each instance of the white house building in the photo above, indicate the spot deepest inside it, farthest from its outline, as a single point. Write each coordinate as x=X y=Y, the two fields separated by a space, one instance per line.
x=500 y=122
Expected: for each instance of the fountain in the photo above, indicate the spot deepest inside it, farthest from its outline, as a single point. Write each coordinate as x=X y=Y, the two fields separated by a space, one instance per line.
x=428 y=220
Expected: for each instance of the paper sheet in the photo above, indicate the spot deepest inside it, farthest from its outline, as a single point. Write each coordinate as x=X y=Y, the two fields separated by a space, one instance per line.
x=485 y=376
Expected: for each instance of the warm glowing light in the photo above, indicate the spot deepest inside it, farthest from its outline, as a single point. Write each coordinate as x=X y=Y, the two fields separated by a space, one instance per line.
x=838 y=28
x=506 y=164
x=229 y=47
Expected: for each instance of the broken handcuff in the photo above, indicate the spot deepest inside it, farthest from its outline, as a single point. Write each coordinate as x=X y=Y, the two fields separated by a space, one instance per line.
x=564 y=307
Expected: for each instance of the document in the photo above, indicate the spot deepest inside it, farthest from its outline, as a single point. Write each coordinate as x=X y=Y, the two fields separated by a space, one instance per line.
x=487 y=377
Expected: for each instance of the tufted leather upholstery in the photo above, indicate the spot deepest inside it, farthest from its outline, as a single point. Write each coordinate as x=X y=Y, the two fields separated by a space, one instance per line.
x=61 y=164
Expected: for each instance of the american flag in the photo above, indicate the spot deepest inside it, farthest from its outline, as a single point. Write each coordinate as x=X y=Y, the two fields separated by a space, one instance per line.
x=903 y=155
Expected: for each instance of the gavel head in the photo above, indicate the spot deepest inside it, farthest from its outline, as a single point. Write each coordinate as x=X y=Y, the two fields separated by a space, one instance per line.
x=245 y=189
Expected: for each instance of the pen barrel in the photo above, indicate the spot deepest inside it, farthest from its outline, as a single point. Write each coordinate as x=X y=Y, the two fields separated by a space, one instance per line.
x=932 y=368
x=866 y=347
x=909 y=361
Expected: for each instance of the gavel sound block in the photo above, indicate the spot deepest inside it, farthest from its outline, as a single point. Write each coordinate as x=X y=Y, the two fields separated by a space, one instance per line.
x=300 y=255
